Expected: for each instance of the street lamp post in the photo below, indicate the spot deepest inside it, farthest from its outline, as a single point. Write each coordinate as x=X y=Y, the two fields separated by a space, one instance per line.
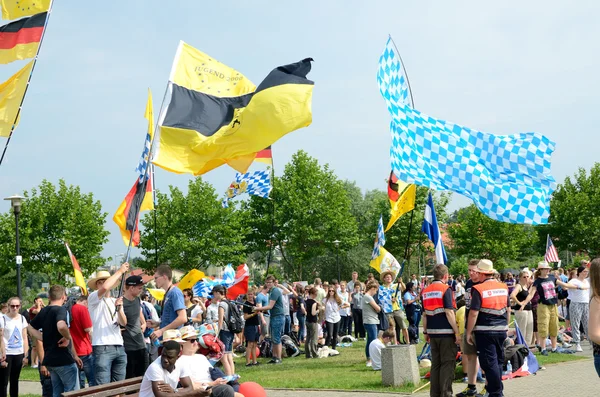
x=15 y=202
x=337 y=259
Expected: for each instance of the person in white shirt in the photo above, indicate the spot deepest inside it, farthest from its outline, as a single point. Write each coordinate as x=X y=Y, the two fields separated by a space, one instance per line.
x=14 y=346
x=149 y=314
x=579 y=309
x=163 y=375
x=110 y=360
x=385 y=338
x=199 y=367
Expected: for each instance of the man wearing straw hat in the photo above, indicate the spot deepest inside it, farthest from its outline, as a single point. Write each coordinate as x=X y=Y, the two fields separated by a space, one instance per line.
x=110 y=360
x=488 y=323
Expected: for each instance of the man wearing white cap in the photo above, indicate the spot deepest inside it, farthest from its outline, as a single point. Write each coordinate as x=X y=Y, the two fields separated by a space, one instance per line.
x=110 y=360
x=488 y=323
x=547 y=310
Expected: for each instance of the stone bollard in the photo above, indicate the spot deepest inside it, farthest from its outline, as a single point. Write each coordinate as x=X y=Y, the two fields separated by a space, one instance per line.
x=399 y=365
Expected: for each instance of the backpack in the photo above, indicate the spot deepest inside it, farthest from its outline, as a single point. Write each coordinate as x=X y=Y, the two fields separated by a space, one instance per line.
x=235 y=319
x=266 y=348
x=291 y=350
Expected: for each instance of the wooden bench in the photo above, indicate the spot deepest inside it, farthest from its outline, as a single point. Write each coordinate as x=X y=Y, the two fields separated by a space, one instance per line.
x=131 y=387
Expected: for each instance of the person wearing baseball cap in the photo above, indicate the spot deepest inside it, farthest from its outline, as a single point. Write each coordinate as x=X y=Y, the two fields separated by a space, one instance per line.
x=547 y=310
x=488 y=324
x=110 y=360
x=133 y=335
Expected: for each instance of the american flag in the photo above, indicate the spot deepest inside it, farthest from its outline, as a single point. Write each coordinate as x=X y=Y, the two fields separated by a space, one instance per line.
x=551 y=253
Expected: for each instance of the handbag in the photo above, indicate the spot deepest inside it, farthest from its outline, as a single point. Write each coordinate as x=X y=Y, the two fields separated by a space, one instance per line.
x=383 y=320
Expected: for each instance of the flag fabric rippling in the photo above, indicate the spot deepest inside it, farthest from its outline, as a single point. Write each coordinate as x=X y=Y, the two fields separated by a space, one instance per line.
x=507 y=176
x=432 y=230
x=551 y=252
x=256 y=183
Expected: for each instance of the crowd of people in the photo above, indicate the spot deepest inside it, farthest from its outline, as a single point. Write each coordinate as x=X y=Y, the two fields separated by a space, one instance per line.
x=100 y=338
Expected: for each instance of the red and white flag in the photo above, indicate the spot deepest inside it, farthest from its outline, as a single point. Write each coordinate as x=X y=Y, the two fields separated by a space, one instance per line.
x=240 y=284
x=551 y=253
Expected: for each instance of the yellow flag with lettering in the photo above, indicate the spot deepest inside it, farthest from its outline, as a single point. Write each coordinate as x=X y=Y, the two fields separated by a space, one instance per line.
x=11 y=95
x=13 y=9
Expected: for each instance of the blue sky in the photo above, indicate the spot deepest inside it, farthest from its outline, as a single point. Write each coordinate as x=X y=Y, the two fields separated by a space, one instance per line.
x=501 y=67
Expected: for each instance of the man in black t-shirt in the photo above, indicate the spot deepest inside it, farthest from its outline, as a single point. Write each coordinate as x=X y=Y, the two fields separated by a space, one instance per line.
x=133 y=336
x=60 y=357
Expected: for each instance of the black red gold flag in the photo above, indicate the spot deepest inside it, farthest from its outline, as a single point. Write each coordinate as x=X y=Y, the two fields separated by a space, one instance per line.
x=21 y=39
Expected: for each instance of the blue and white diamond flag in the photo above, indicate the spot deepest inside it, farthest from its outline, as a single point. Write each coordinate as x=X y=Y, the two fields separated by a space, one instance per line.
x=380 y=240
x=507 y=176
x=257 y=183
x=203 y=288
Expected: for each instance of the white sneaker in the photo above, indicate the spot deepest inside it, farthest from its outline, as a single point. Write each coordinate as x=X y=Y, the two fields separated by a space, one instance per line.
x=565 y=345
x=578 y=348
x=369 y=364
x=34 y=366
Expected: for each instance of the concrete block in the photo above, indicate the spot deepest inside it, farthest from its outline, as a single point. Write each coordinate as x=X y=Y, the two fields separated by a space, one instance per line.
x=399 y=365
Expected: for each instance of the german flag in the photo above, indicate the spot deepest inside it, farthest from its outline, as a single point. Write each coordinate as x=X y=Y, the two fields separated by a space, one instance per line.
x=21 y=39
x=79 y=281
x=217 y=116
x=265 y=156
x=137 y=200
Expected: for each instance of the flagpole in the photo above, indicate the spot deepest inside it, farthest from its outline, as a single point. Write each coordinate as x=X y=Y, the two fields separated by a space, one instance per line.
x=272 y=213
x=412 y=102
x=12 y=129
x=137 y=209
x=154 y=214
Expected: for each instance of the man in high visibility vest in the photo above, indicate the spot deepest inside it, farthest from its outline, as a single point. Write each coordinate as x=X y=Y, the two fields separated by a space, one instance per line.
x=441 y=331
x=488 y=323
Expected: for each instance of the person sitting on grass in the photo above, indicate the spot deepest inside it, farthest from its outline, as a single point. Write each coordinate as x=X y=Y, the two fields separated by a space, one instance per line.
x=385 y=338
x=163 y=375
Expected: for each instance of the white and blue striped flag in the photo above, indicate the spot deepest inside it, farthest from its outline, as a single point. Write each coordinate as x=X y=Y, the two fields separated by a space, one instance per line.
x=432 y=230
x=507 y=176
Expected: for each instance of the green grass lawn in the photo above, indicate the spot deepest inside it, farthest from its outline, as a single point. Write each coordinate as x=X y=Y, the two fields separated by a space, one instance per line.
x=344 y=372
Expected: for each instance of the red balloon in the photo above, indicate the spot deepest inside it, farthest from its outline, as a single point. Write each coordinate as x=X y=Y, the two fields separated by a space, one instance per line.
x=251 y=389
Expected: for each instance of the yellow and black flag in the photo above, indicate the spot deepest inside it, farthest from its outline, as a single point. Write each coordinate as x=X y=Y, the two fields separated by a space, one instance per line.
x=217 y=116
x=21 y=39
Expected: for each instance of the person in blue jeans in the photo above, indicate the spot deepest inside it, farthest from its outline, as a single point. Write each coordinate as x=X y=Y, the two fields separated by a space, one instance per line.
x=60 y=359
x=369 y=314
x=107 y=314
x=275 y=307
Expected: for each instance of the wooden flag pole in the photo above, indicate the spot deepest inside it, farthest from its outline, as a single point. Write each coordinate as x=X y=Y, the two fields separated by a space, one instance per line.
x=14 y=125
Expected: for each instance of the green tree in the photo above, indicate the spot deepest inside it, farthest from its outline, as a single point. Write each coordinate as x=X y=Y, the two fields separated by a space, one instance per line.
x=312 y=210
x=574 y=222
x=49 y=217
x=193 y=230
x=478 y=236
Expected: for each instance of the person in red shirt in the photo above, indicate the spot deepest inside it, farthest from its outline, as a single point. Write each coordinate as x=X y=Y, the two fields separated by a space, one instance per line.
x=38 y=304
x=81 y=328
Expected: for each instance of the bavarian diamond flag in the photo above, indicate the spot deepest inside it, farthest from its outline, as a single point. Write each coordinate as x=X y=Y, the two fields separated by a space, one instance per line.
x=507 y=176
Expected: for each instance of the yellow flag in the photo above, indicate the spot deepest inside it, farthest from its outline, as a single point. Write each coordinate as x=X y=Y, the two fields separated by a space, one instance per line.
x=217 y=116
x=13 y=9
x=149 y=115
x=405 y=203
x=195 y=70
x=190 y=279
x=385 y=261
x=157 y=294
x=11 y=95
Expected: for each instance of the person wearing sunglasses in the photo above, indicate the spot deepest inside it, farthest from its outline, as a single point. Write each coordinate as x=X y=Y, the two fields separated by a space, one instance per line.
x=199 y=367
x=14 y=345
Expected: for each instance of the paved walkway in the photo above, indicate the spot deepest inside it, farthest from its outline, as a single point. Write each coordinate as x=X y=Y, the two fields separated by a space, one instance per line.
x=575 y=378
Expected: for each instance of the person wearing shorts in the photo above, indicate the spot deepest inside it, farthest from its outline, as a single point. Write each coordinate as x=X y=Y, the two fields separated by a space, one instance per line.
x=547 y=310
x=275 y=307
